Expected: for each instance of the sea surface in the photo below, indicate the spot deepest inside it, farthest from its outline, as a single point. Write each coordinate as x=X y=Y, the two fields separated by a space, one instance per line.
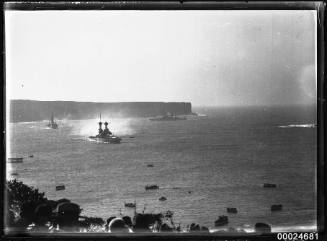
x=202 y=165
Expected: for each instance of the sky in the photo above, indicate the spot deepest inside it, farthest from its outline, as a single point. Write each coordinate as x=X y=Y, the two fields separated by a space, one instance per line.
x=208 y=58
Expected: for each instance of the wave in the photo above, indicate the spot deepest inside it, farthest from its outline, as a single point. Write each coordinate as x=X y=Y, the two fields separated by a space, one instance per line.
x=299 y=126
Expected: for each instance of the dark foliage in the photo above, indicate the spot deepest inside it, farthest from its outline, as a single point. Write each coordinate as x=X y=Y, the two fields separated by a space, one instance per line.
x=63 y=200
x=194 y=227
x=142 y=221
x=128 y=221
x=88 y=221
x=166 y=228
x=31 y=207
x=22 y=201
x=20 y=194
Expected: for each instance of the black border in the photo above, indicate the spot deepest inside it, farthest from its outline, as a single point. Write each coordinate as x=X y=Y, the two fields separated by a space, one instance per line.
x=318 y=6
x=162 y=5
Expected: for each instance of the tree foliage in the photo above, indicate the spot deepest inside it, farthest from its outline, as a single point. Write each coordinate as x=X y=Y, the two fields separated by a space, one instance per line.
x=20 y=194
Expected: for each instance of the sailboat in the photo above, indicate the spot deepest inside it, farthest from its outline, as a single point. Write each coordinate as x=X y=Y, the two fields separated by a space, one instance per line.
x=52 y=124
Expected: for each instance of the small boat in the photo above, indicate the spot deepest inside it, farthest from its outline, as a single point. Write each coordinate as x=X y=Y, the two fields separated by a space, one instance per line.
x=60 y=187
x=31 y=156
x=130 y=205
x=151 y=187
x=276 y=207
x=15 y=159
x=269 y=185
x=162 y=199
x=14 y=174
x=231 y=210
x=149 y=165
x=221 y=221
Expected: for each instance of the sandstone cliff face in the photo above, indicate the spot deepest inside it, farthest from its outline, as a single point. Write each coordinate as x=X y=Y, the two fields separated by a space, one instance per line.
x=30 y=110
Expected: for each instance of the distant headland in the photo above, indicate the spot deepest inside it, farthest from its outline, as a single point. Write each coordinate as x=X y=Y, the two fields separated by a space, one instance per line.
x=32 y=110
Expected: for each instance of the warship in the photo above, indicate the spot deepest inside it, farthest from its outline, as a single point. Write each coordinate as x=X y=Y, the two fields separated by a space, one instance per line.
x=167 y=117
x=105 y=136
x=52 y=124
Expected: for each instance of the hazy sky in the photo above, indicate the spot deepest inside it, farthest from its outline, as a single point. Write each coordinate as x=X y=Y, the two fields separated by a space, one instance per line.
x=205 y=57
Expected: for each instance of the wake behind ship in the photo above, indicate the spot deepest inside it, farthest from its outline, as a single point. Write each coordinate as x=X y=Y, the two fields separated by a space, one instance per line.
x=105 y=136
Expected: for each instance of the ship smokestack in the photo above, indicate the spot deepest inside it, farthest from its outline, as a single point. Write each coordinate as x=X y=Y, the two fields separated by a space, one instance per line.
x=106 y=125
x=100 y=127
x=52 y=119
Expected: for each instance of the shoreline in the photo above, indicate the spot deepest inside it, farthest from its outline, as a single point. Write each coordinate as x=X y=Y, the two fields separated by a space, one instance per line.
x=249 y=228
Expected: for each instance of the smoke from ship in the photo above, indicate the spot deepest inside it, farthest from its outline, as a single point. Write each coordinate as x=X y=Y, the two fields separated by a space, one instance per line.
x=118 y=126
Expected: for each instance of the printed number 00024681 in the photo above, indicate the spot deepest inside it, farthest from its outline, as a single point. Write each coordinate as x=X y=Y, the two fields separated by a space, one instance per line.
x=297 y=236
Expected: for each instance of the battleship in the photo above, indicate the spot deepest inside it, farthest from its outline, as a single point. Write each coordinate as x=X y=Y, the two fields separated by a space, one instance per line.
x=167 y=117
x=105 y=136
x=52 y=124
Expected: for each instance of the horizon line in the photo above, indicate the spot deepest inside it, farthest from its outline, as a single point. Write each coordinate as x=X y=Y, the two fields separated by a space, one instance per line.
x=232 y=105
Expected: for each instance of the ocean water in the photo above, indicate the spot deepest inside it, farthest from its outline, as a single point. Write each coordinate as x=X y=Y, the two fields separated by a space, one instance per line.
x=202 y=165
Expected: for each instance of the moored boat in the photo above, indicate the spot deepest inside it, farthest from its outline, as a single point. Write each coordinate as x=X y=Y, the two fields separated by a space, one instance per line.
x=269 y=185
x=15 y=159
x=222 y=220
x=162 y=199
x=151 y=187
x=130 y=205
x=231 y=210
x=60 y=187
x=276 y=207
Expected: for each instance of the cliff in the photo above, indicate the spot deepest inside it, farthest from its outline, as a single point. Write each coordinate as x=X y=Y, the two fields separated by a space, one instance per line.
x=31 y=110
